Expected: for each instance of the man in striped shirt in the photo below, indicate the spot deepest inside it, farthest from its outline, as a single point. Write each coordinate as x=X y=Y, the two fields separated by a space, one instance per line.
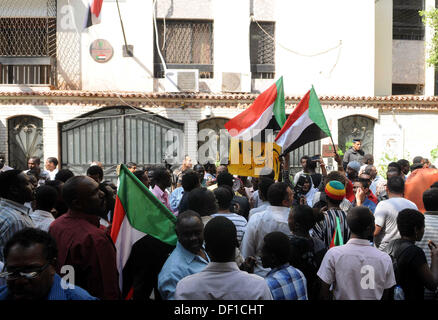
x=324 y=229
x=430 y=200
x=224 y=195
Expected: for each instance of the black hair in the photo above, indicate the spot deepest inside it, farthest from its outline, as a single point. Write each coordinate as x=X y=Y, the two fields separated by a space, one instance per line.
x=64 y=174
x=93 y=170
x=277 y=243
x=70 y=189
x=277 y=192
x=393 y=170
x=396 y=185
x=408 y=220
x=367 y=157
x=225 y=178
x=430 y=199
x=359 y=219
x=434 y=185
x=394 y=165
x=139 y=173
x=368 y=169
x=364 y=182
x=46 y=197
x=304 y=157
x=403 y=163
x=198 y=166
x=224 y=196
x=220 y=236
x=202 y=201
x=311 y=164
x=36 y=159
x=184 y=215
x=335 y=176
x=264 y=184
x=160 y=174
x=417 y=159
x=130 y=165
x=303 y=216
x=53 y=160
x=7 y=179
x=189 y=180
x=30 y=236
x=416 y=166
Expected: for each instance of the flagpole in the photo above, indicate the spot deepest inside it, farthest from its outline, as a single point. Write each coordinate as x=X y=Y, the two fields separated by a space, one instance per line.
x=123 y=30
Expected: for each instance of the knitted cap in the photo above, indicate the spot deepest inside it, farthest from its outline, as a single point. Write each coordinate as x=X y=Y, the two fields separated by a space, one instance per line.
x=354 y=165
x=335 y=190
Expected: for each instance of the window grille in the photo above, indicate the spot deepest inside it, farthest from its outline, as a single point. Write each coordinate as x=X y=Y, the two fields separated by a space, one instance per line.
x=407 y=24
x=262 y=50
x=184 y=45
x=413 y=89
x=28 y=42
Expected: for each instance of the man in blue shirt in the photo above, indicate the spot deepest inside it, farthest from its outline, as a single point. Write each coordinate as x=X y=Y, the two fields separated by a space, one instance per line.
x=361 y=190
x=189 y=256
x=284 y=281
x=30 y=262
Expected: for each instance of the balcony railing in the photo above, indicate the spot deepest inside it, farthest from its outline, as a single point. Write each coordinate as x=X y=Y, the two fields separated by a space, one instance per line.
x=27 y=71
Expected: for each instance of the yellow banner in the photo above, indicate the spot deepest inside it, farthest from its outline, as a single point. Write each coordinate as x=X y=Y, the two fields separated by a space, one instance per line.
x=248 y=158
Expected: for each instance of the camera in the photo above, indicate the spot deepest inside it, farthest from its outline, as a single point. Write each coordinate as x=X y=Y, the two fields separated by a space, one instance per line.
x=299 y=188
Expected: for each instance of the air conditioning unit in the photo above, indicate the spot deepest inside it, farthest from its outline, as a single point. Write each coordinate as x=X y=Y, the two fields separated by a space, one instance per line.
x=236 y=82
x=181 y=80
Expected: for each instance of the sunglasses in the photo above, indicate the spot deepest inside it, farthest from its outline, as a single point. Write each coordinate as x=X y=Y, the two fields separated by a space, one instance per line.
x=14 y=275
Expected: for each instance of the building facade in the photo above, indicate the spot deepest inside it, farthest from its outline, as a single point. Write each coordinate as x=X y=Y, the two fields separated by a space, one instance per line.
x=111 y=94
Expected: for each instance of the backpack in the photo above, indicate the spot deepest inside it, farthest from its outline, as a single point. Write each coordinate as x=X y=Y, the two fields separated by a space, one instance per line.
x=395 y=252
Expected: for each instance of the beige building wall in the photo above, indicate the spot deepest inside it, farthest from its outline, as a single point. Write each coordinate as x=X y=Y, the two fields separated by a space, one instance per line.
x=383 y=48
x=408 y=62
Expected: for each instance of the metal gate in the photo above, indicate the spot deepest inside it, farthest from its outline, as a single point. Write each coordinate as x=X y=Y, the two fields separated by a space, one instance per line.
x=112 y=136
x=356 y=127
x=310 y=149
x=25 y=140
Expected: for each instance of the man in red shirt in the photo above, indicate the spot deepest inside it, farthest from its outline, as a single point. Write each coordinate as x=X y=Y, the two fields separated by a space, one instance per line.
x=82 y=244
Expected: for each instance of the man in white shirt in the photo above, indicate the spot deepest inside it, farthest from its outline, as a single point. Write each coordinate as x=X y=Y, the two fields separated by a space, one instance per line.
x=52 y=167
x=387 y=211
x=357 y=270
x=264 y=184
x=222 y=279
x=45 y=197
x=274 y=218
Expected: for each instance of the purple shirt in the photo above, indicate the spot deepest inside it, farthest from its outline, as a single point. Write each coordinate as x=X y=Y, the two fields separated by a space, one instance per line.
x=163 y=197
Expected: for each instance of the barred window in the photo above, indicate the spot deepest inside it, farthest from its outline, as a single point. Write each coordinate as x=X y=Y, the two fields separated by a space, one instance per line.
x=184 y=45
x=28 y=43
x=410 y=89
x=407 y=24
x=262 y=50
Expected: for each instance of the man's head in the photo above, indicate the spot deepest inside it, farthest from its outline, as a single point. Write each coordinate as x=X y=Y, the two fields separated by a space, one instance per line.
x=267 y=173
x=15 y=185
x=392 y=172
x=187 y=162
x=190 y=180
x=221 y=168
x=304 y=162
x=335 y=176
x=418 y=159
x=202 y=201
x=264 y=184
x=225 y=178
x=190 y=231
x=142 y=176
x=335 y=192
x=301 y=219
x=276 y=250
x=430 y=199
x=404 y=165
x=410 y=224
x=2 y=160
x=371 y=171
x=30 y=259
x=51 y=163
x=353 y=168
x=395 y=186
x=64 y=174
x=131 y=166
x=45 y=197
x=220 y=237
x=162 y=177
x=280 y=195
x=199 y=169
x=33 y=163
x=357 y=143
x=96 y=173
x=368 y=159
x=360 y=220
x=82 y=194
x=224 y=196
x=361 y=183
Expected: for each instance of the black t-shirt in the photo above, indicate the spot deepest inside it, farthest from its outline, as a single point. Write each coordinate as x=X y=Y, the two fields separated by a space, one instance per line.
x=316 y=178
x=409 y=263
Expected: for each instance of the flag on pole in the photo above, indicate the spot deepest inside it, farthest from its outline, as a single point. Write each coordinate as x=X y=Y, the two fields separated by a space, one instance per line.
x=305 y=124
x=257 y=117
x=138 y=212
x=337 y=235
x=94 y=9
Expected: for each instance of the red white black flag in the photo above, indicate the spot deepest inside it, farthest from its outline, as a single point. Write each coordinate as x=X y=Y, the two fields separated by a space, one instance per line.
x=94 y=9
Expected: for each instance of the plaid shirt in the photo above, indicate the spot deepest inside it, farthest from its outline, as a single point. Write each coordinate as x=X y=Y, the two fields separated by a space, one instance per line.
x=287 y=283
x=13 y=218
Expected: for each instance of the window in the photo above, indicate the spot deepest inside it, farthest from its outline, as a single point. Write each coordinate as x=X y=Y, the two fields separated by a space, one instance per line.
x=413 y=89
x=184 y=45
x=407 y=24
x=28 y=47
x=262 y=50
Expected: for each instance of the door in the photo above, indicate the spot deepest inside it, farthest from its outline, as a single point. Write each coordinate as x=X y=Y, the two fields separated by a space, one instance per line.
x=356 y=127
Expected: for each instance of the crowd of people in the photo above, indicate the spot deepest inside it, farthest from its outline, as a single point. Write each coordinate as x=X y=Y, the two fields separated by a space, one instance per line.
x=348 y=234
